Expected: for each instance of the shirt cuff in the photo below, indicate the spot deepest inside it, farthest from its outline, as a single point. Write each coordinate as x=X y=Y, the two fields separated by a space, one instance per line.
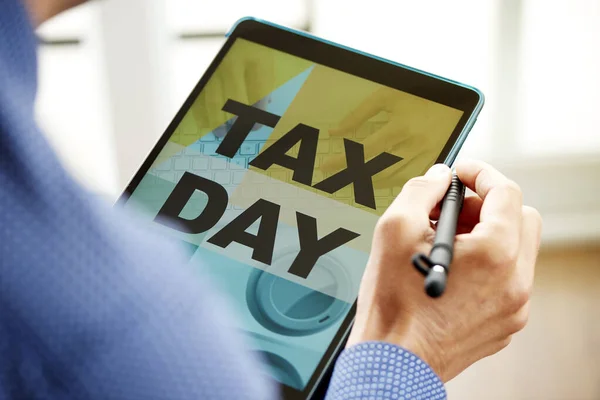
x=377 y=370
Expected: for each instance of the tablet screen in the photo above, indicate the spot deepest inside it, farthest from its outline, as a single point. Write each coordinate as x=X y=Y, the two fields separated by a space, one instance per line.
x=274 y=179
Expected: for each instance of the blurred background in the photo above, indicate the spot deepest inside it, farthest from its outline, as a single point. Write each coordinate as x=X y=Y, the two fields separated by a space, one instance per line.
x=114 y=73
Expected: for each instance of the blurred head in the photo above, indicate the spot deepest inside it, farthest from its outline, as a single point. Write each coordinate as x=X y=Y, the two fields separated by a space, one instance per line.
x=42 y=10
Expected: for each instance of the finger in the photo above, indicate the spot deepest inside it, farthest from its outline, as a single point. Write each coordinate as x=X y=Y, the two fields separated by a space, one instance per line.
x=518 y=321
x=469 y=215
x=502 y=198
x=463 y=229
x=531 y=231
x=435 y=213
x=365 y=110
x=420 y=195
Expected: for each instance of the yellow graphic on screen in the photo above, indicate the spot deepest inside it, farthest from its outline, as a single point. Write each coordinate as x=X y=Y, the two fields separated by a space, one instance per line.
x=382 y=119
x=341 y=106
x=248 y=73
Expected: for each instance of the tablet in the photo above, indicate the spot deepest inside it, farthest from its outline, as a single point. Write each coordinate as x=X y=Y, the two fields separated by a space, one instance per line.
x=275 y=171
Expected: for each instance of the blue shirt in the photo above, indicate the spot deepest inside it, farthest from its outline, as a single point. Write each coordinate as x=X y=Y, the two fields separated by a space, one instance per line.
x=94 y=307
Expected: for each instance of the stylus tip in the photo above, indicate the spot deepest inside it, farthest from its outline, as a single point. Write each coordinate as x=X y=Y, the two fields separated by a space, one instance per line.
x=435 y=282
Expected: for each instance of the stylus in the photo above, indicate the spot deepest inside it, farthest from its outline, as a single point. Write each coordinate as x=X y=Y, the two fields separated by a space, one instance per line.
x=436 y=266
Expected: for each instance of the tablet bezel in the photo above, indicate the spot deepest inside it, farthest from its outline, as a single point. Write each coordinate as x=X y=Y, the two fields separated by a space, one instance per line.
x=385 y=72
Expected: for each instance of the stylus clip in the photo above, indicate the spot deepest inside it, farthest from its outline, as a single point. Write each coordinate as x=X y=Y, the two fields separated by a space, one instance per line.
x=422 y=263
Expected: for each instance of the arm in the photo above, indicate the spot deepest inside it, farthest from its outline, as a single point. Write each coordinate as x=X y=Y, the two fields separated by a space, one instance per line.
x=101 y=310
x=406 y=345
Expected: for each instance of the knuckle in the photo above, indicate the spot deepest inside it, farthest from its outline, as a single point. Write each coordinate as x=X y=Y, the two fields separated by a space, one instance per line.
x=498 y=226
x=514 y=300
x=499 y=345
x=512 y=187
x=518 y=322
x=480 y=245
x=505 y=256
x=532 y=216
x=498 y=255
x=417 y=182
x=504 y=343
x=531 y=213
x=392 y=224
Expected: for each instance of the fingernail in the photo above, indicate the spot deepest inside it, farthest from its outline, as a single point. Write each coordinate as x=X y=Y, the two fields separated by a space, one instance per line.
x=437 y=170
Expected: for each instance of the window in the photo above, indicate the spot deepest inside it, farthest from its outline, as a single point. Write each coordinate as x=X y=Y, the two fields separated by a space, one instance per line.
x=72 y=100
x=560 y=79
x=194 y=17
x=198 y=30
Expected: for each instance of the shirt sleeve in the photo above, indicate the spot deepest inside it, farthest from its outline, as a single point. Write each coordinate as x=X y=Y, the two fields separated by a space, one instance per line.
x=94 y=305
x=377 y=370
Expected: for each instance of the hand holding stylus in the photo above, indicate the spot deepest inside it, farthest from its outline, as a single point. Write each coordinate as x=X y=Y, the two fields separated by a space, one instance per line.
x=436 y=265
x=486 y=299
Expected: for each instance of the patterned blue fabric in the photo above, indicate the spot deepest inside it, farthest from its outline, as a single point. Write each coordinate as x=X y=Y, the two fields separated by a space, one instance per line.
x=374 y=371
x=94 y=305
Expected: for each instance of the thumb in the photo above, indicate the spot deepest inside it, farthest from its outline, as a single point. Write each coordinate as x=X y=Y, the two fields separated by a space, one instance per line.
x=421 y=195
